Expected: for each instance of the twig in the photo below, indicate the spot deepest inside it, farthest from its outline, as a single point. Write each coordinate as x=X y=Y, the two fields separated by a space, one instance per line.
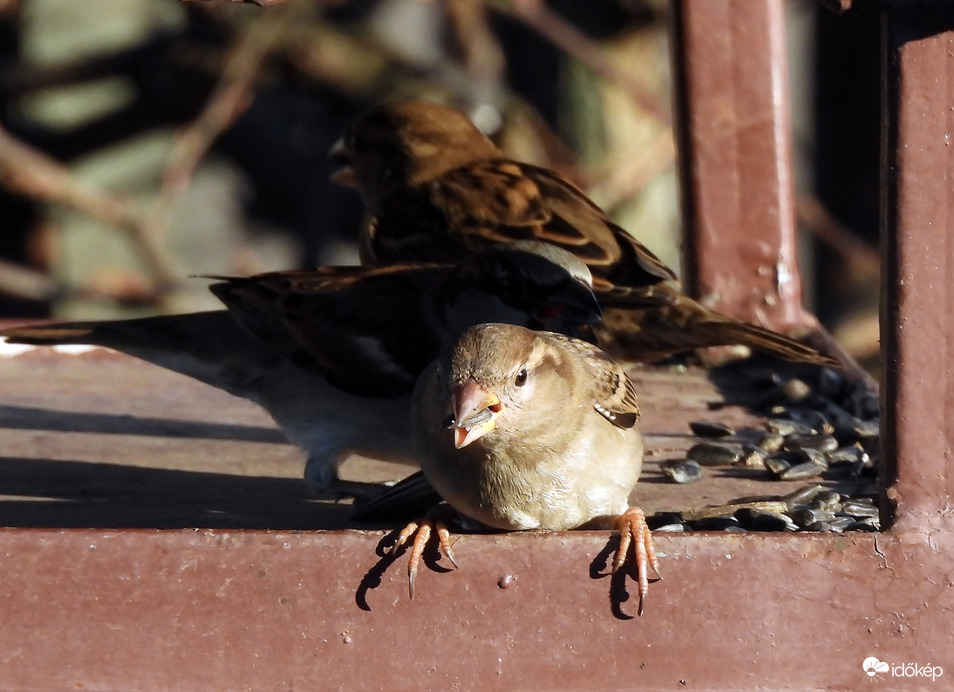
x=231 y=97
x=19 y=79
x=628 y=176
x=28 y=284
x=861 y=260
x=260 y=3
x=31 y=173
x=480 y=52
x=536 y=15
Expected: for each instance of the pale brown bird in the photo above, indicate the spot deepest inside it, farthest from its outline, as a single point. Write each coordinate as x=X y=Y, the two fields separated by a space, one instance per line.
x=437 y=188
x=334 y=352
x=519 y=430
x=326 y=422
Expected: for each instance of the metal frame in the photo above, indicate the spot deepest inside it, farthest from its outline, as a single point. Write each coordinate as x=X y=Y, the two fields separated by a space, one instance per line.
x=252 y=610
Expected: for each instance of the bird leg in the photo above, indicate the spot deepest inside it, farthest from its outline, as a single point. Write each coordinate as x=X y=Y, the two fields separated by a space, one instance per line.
x=324 y=482
x=632 y=528
x=421 y=531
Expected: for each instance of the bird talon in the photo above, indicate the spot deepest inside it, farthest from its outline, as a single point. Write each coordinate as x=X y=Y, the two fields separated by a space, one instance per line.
x=402 y=537
x=633 y=529
x=443 y=537
x=421 y=532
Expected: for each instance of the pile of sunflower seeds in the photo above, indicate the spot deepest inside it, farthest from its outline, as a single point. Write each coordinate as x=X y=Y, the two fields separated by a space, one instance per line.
x=821 y=430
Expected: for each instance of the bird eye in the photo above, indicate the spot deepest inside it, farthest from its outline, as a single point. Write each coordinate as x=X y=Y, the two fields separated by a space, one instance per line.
x=521 y=378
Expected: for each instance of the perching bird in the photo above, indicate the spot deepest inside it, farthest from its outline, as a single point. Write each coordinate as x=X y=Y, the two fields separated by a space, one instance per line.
x=437 y=188
x=653 y=322
x=372 y=330
x=518 y=430
x=336 y=351
x=327 y=423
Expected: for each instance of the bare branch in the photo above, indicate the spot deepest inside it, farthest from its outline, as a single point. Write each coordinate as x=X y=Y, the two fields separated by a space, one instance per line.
x=260 y=3
x=625 y=176
x=861 y=260
x=561 y=33
x=231 y=97
x=31 y=173
x=26 y=283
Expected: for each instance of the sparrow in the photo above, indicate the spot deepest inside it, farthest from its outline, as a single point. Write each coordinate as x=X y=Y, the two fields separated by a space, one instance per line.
x=372 y=330
x=654 y=322
x=326 y=422
x=333 y=353
x=437 y=188
x=519 y=429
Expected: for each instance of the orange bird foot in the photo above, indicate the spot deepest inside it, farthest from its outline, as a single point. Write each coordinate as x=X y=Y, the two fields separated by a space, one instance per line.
x=632 y=528
x=421 y=532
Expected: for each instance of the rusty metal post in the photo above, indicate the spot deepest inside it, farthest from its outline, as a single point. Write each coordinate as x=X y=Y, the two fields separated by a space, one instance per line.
x=102 y=609
x=735 y=151
x=918 y=274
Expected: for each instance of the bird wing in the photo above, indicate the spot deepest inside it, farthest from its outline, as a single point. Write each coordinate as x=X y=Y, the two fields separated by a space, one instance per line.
x=363 y=328
x=614 y=396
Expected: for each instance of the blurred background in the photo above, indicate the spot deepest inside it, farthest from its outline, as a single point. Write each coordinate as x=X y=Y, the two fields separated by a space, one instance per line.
x=144 y=141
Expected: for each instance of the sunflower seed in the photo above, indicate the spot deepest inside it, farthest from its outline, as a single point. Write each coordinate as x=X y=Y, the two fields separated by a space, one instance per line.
x=831 y=383
x=786 y=427
x=821 y=442
x=698 y=513
x=802 y=495
x=672 y=528
x=839 y=524
x=858 y=509
x=828 y=500
x=716 y=524
x=682 y=470
x=771 y=442
x=816 y=420
x=807 y=469
x=704 y=428
x=777 y=466
x=716 y=453
x=757 y=520
x=753 y=457
x=847 y=455
x=805 y=516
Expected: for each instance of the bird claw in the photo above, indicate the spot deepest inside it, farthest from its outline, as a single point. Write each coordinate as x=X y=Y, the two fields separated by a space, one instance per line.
x=632 y=528
x=421 y=532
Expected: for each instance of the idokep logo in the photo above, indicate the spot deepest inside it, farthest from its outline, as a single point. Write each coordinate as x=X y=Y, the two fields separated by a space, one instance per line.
x=879 y=670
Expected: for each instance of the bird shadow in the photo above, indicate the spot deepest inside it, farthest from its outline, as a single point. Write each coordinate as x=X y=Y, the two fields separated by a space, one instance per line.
x=28 y=418
x=388 y=554
x=600 y=568
x=39 y=492
x=53 y=493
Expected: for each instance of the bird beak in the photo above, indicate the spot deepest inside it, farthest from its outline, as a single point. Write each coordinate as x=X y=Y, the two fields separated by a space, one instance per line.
x=475 y=412
x=340 y=156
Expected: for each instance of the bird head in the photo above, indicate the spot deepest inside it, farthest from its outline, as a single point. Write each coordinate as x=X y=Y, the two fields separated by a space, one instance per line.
x=488 y=373
x=406 y=143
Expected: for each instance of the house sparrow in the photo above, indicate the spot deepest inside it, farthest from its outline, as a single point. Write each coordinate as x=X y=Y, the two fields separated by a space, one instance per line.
x=438 y=188
x=521 y=430
x=334 y=352
x=660 y=320
x=326 y=422
x=372 y=330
